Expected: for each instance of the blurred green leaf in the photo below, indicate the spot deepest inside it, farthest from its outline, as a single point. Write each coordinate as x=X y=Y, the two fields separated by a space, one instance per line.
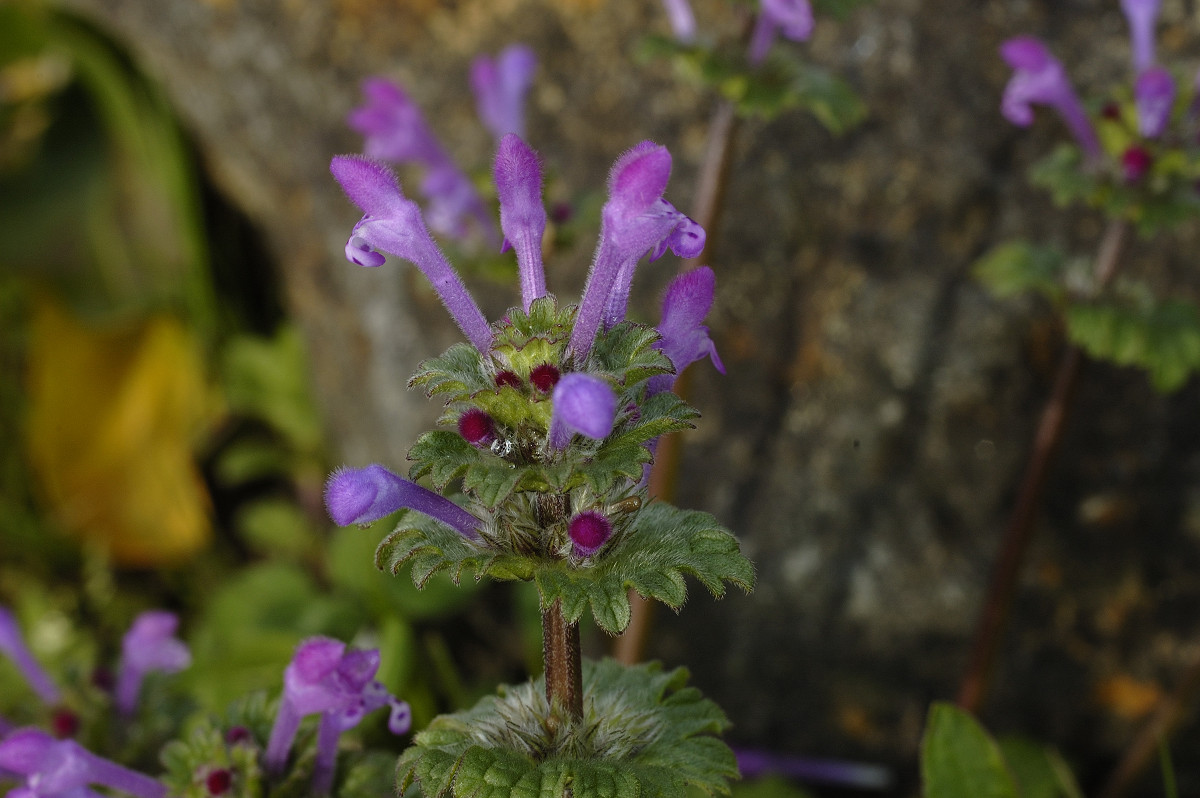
x=960 y=760
x=1162 y=338
x=267 y=378
x=278 y=528
x=1018 y=266
x=1040 y=771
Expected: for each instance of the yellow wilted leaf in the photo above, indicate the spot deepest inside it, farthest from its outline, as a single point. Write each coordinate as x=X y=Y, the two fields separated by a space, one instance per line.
x=113 y=417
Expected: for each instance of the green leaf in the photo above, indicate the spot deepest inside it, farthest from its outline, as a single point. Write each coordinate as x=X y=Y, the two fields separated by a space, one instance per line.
x=443 y=455
x=1162 y=338
x=1018 y=266
x=960 y=760
x=1039 y=771
x=643 y=733
x=459 y=371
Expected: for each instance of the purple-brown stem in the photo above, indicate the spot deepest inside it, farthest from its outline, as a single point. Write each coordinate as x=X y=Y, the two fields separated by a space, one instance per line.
x=564 y=667
x=994 y=617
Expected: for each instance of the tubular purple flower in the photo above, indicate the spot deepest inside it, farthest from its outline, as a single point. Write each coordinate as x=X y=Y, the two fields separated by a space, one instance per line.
x=339 y=684
x=500 y=86
x=12 y=643
x=1039 y=77
x=149 y=645
x=584 y=404
x=681 y=234
x=685 y=339
x=1154 y=96
x=635 y=220
x=1142 y=16
x=64 y=769
x=395 y=131
x=394 y=224
x=753 y=764
x=363 y=495
x=518 y=178
x=793 y=18
x=683 y=21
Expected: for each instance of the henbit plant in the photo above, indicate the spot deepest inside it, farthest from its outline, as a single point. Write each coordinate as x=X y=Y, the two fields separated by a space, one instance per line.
x=1136 y=158
x=551 y=417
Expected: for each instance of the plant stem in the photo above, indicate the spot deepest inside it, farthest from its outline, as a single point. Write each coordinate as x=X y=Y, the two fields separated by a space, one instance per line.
x=564 y=668
x=994 y=617
x=630 y=646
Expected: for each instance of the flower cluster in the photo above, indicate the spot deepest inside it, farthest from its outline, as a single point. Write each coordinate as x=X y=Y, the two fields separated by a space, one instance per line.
x=537 y=396
x=791 y=18
x=1130 y=139
x=395 y=131
x=338 y=684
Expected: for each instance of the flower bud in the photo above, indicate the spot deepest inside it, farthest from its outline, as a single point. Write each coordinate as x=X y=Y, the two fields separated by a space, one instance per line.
x=589 y=532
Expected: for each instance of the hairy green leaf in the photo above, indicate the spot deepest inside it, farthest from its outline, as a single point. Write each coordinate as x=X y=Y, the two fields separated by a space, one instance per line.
x=1162 y=338
x=1018 y=266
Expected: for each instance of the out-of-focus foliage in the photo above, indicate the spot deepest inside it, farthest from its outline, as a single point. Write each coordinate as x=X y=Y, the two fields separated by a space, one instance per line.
x=113 y=418
x=959 y=759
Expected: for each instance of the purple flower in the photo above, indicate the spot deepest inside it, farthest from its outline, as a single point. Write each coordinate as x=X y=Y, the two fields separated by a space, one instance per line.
x=64 y=769
x=684 y=337
x=635 y=220
x=13 y=645
x=363 y=495
x=500 y=85
x=1039 y=77
x=149 y=645
x=683 y=21
x=326 y=678
x=395 y=131
x=393 y=223
x=522 y=215
x=584 y=404
x=792 y=18
x=589 y=531
x=1154 y=94
x=1142 y=15
x=753 y=763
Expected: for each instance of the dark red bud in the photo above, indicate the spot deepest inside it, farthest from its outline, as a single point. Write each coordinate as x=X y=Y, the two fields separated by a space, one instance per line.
x=1111 y=111
x=1135 y=162
x=64 y=723
x=218 y=781
x=508 y=378
x=589 y=531
x=544 y=377
x=476 y=426
x=238 y=734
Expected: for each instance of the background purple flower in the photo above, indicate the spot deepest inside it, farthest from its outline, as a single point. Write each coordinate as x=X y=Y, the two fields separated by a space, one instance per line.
x=500 y=85
x=792 y=18
x=12 y=644
x=149 y=645
x=1039 y=78
x=1142 y=16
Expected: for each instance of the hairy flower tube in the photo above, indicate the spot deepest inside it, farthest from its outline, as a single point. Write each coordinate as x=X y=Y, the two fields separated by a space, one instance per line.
x=364 y=495
x=583 y=404
x=1142 y=16
x=683 y=21
x=1154 y=96
x=635 y=220
x=792 y=18
x=64 y=769
x=12 y=643
x=1039 y=78
x=392 y=223
x=149 y=645
x=326 y=678
x=394 y=130
x=685 y=339
x=500 y=85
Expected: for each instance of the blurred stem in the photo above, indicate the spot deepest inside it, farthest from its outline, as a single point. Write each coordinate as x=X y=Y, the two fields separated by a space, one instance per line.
x=630 y=646
x=993 y=619
x=560 y=650
x=1154 y=735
